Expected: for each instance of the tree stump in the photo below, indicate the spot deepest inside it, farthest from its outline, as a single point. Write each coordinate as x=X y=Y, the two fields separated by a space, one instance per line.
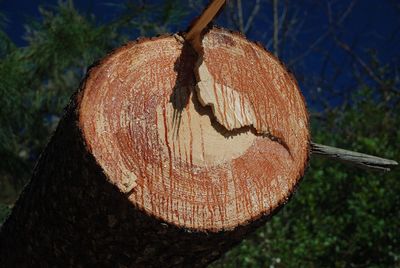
x=163 y=158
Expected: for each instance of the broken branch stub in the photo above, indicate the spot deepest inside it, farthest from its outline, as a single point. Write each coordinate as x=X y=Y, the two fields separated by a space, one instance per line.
x=361 y=160
x=198 y=26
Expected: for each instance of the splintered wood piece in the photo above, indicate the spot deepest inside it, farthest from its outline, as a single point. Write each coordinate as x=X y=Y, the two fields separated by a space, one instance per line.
x=246 y=88
x=195 y=31
x=361 y=160
x=145 y=126
x=231 y=109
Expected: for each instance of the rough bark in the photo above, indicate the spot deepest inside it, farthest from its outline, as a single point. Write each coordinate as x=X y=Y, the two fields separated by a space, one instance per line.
x=140 y=174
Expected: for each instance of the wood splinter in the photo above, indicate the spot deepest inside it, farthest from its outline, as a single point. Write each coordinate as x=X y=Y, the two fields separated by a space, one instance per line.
x=361 y=160
x=230 y=108
x=195 y=31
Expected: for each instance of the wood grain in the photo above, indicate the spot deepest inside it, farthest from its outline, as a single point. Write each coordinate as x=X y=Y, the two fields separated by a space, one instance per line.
x=147 y=130
x=140 y=174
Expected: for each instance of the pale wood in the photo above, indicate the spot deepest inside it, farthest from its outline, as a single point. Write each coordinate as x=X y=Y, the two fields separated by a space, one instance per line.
x=194 y=33
x=218 y=80
x=231 y=109
x=353 y=158
x=207 y=147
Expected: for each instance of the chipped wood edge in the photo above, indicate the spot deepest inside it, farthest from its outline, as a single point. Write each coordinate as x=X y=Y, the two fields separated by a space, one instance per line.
x=238 y=112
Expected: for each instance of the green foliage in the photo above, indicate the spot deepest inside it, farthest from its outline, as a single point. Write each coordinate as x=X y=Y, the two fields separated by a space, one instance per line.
x=37 y=81
x=4 y=211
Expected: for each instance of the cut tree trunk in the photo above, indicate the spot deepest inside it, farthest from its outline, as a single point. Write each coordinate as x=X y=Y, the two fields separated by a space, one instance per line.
x=163 y=158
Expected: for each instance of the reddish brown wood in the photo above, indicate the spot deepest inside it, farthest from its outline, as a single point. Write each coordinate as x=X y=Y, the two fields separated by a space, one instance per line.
x=127 y=118
x=140 y=174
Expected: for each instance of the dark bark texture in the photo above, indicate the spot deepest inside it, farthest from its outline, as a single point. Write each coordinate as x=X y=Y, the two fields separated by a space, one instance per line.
x=69 y=215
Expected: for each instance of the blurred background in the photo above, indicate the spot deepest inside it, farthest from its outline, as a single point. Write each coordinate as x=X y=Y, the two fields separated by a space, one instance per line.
x=344 y=53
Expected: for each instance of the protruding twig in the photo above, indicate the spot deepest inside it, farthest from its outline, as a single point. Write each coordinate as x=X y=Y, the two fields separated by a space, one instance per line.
x=358 y=159
x=194 y=33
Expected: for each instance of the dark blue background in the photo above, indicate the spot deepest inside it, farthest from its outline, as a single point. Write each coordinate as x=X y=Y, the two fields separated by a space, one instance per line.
x=373 y=25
